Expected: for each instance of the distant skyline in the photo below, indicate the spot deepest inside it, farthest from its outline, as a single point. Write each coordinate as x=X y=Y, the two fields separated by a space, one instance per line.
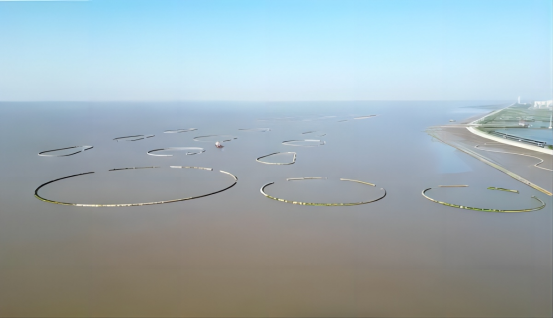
x=278 y=50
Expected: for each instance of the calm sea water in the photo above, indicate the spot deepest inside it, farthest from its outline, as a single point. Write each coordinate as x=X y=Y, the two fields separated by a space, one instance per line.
x=238 y=253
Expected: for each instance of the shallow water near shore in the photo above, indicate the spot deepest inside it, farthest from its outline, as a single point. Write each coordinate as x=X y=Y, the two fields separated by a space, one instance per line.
x=238 y=253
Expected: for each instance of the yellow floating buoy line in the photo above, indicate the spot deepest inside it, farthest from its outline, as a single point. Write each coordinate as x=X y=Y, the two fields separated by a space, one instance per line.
x=133 y=138
x=80 y=149
x=543 y=204
x=289 y=163
x=134 y=204
x=262 y=190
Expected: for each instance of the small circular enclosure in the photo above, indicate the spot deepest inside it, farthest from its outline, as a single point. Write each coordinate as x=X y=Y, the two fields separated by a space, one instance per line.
x=214 y=138
x=132 y=138
x=277 y=155
x=168 y=152
x=181 y=130
x=304 y=143
x=66 y=151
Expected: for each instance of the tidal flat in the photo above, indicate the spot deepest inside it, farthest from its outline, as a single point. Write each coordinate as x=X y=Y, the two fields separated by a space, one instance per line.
x=239 y=253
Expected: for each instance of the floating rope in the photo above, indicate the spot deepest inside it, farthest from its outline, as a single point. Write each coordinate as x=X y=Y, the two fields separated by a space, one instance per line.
x=262 y=190
x=293 y=158
x=81 y=149
x=487 y=209
x=133 y=204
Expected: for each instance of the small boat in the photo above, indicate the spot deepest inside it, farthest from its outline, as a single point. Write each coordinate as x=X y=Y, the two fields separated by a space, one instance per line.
x=218 y=145
x=452 y=120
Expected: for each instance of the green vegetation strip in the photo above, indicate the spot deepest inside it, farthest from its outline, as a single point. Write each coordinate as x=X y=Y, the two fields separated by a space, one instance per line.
x=503 y=189
x=293 y=158
x=262 y=190
x=486 y=209
x=133 y=204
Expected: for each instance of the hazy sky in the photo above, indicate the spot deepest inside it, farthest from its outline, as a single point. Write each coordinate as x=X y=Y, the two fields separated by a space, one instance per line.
x=275 y=50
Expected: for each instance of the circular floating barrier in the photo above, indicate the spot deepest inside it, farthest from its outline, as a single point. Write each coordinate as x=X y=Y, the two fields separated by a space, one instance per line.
x=261 y=129
x=132 y=138
x=66 y=151
x=182 y=130
x=214 y=138
x=304 y=143
x=274 y=154
x=543 y=204
x=262 y=190
x=188 y=150
x=235 y=179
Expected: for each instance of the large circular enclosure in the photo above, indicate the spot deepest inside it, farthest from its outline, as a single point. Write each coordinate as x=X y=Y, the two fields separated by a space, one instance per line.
x=491 y=199
x=321 y=191
x=66 y=151
x=135 y=186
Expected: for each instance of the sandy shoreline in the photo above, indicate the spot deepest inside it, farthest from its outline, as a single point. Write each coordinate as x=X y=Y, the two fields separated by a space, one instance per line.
x=525 y=163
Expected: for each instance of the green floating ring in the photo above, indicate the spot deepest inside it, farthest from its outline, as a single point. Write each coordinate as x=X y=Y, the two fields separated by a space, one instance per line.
x=133 y=204
x=262 y=190
x=293 y=158
x=488 y=209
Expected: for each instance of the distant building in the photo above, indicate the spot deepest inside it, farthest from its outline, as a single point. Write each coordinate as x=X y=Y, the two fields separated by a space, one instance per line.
x=543 y=104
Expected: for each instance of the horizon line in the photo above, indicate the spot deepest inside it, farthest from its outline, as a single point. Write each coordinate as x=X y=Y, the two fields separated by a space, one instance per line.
x=258 y=101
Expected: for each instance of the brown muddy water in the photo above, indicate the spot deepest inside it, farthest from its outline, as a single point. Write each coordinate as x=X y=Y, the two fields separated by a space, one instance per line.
x=238 y=253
